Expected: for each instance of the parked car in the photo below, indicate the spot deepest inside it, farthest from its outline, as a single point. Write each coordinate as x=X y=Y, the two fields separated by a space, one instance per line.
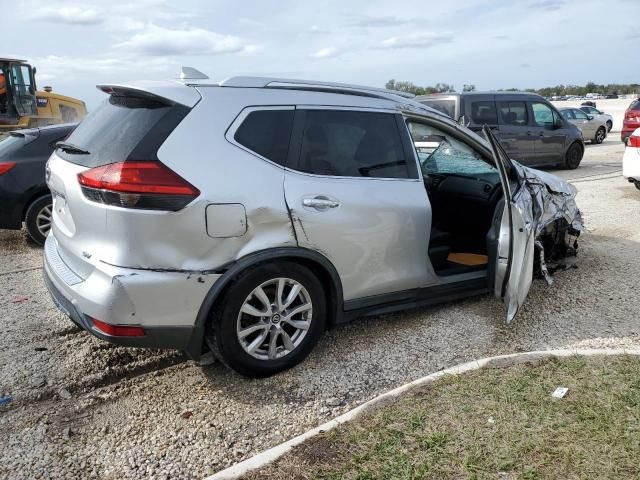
x=588 y=103
x=248 y=215
x=593 y=128
x=631 y=120
x=594 y=112
x=24 y=196
x=631 y=159
x=529 y=128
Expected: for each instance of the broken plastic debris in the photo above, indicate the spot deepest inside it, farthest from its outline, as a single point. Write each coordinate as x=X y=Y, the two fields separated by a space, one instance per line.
x=560 y=392
x=491 y=420
x=6 y=399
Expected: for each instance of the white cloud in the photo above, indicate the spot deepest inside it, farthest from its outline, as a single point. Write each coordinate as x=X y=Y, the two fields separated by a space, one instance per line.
x=70 y=15
x=159 y=41
x=326 y=52
x=416 y=40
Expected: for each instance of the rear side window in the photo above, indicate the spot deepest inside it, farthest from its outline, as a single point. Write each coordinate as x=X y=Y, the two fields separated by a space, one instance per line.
x=267 y=133
x=123 y=128
x=484 y=112
x=352 y=144
x=448 y=107
x=513 y=113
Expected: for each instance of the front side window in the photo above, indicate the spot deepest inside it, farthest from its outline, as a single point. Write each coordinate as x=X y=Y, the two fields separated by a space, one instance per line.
x=513 y=113
x=267 y=133
x=352 y=144
x=440 y=153
x=579 y=114
x=542 y=114
x=568 y=114
x=484 y=112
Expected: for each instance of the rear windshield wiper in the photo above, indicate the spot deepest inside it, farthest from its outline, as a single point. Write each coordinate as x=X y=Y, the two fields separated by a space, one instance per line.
x=71 y=148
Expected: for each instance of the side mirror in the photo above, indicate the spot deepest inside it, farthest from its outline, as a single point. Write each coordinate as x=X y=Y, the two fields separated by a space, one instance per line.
x=590 y=117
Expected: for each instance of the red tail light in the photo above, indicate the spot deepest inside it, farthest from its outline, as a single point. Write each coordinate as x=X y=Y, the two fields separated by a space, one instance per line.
x=118 y=330
x=6 y=166
x=632 y=115
x=144 y=185
x=634 y=141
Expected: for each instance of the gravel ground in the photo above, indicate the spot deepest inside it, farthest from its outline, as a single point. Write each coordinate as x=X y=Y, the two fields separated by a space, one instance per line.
x=82 y=408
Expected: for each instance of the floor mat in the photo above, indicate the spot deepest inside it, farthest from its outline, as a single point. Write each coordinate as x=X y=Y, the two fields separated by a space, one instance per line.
x=471 y=259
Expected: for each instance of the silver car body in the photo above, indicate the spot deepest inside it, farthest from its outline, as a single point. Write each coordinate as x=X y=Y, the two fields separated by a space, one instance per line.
x=164 y=270
x=588 y=124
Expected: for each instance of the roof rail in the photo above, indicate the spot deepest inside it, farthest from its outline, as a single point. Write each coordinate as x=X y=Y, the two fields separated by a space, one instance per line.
x=266 y=82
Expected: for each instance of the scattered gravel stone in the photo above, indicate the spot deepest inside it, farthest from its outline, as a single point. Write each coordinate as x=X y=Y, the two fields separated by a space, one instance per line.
x=64 y=394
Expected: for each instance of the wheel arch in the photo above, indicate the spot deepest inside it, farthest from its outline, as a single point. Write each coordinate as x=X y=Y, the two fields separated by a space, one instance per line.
x=320 y=265
x=38 y=194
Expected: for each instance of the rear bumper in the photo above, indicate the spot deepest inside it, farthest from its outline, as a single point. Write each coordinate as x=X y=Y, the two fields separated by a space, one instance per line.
x=631 y=164
x=164 y=304
x=626 y=132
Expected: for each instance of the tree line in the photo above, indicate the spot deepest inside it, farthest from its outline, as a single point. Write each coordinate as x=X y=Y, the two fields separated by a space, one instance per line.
x=590 y=87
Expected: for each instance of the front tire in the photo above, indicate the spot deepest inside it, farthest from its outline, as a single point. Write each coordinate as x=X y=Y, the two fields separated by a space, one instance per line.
x=637 y=184
x=573 y=157
x=601 y=134
x=38 y=219
x=270 y=319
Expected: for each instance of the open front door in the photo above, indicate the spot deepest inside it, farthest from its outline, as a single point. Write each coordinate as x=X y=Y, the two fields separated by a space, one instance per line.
x=514 y=269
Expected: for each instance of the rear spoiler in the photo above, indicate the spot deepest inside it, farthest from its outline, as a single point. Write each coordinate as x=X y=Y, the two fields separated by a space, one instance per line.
x=169 y=93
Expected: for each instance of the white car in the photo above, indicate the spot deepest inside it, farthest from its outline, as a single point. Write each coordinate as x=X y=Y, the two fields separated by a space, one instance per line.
x=608 y=119
x=631 y=159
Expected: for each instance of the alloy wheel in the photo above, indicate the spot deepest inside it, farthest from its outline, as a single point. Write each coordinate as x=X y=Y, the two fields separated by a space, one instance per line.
x=274 y=319
x=43 y=220
x=600 y=134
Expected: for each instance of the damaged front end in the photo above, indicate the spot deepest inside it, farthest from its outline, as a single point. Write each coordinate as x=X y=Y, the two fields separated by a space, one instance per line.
x=555 y=217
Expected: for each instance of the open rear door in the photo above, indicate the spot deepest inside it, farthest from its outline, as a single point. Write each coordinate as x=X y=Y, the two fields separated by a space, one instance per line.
x=514 y=269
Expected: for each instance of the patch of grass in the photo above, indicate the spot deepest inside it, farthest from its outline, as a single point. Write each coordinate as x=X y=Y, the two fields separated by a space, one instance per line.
x=491 y=423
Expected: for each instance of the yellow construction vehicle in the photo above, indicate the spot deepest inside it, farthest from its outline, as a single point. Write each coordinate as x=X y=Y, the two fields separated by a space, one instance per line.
x=23 y=106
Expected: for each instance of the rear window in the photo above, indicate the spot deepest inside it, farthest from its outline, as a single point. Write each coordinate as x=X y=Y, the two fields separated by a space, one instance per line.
x=9 y=146
x=513 y=113
x=635 y=105
x=267 y=133
x=448 y=107
x=484 y=112
x=123 y=128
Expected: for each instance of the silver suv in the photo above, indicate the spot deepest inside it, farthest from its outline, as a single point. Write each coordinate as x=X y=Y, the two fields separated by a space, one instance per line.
x=247 y=216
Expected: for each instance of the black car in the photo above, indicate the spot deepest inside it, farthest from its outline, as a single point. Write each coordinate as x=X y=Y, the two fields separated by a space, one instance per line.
x=24 y=196
x=530 y=129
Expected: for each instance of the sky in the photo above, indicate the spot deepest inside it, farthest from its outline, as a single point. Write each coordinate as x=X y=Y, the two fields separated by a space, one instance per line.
x=489 y=43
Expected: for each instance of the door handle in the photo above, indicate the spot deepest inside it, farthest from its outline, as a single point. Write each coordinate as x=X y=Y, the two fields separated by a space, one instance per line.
x=320 y=202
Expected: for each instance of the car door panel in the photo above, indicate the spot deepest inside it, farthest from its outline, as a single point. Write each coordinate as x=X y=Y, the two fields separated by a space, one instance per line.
x=514 y=262
x=375 y=231
x=549 y=139
x=514 y=132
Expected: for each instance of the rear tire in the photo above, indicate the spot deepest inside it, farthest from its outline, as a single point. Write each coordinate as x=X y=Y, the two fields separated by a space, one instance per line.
x=609 y=125
x=573 y=157
x=251 y=355
x=38 y=219
x=637 y=184
x=601 y=134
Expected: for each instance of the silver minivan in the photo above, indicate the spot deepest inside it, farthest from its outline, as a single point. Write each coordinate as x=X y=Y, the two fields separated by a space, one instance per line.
x=247 y=216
